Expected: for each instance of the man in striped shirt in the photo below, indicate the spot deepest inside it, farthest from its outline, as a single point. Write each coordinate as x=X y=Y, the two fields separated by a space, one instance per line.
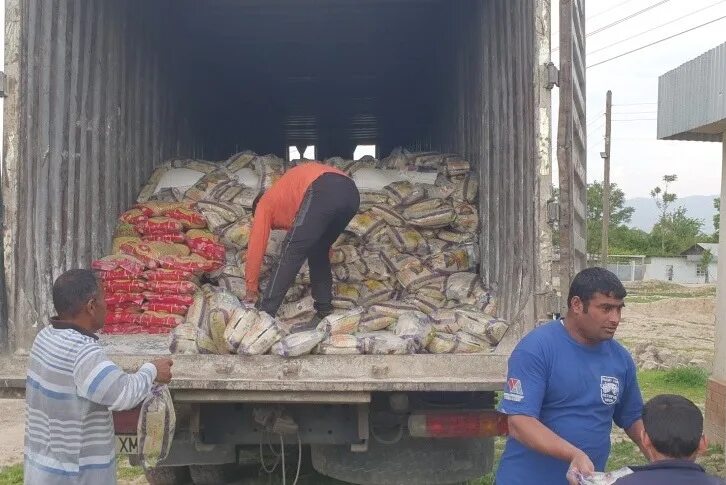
x=72 y=387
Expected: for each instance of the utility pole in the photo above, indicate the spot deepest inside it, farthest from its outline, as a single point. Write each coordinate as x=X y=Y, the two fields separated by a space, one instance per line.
x=606 y=182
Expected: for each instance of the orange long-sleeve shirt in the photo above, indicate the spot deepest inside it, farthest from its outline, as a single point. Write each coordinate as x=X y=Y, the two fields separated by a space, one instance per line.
x=276 y=210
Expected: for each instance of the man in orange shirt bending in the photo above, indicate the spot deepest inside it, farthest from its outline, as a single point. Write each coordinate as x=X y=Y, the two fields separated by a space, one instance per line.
x=314 y=203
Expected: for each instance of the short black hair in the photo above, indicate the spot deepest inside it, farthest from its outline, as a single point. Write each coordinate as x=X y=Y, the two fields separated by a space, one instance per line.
x=257 y=201
x=674 y=425
x=595 y=280
x=72 y=290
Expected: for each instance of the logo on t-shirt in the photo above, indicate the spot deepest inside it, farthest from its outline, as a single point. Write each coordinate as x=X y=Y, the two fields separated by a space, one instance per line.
x=515 y=390
x=609 y=389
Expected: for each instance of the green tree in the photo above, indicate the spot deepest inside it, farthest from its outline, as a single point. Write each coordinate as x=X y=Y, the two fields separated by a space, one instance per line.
x=663 y=200
x=706 y=260
x=619 y=215
x=675 y=233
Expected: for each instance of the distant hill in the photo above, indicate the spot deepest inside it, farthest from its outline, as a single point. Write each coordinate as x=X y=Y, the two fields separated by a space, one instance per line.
x=697 y=206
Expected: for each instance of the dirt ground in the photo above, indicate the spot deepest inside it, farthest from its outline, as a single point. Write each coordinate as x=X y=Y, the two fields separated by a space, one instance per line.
x=666 y=325
x=663 y=326
x=12 y=424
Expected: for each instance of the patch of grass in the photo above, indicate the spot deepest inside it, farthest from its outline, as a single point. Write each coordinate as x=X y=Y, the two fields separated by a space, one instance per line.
x=126 y=471
x=625 y=453
x=12 y=475
x=689 y=382
x=645 y=299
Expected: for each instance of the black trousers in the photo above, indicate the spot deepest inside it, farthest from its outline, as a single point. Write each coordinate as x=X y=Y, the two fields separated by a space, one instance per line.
x=327 y=208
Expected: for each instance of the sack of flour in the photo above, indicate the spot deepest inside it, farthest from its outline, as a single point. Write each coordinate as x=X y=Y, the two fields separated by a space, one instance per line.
x=297 y=344
x=261 y=337
x=339 y=344
x=156 y=426
x=341 y=323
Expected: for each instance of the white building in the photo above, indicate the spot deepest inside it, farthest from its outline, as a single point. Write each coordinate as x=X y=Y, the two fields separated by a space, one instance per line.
x=686 y=268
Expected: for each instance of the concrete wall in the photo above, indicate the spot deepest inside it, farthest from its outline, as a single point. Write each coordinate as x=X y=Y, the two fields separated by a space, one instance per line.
x=684 y=271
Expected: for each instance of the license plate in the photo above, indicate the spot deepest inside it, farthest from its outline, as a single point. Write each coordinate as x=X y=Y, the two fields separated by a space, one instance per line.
x=127 y=444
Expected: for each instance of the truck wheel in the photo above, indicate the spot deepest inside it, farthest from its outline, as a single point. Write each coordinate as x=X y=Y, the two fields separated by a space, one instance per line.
x=213 y=474
x=168 y=475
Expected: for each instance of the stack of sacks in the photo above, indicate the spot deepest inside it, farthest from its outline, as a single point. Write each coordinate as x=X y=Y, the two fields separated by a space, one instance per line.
x=170 y=248
x=412 y=250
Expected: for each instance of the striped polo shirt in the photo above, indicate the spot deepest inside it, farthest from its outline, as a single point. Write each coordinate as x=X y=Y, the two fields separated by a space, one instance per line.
x=71 y=389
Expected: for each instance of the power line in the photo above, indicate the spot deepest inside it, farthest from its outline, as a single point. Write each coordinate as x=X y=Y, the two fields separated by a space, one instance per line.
x=598 y=117
x=602 y=12
x=637 y=113
x=613 y=24
x=633 y=104
x=626 y=18
x=657 y=42
x=640 y=119
x=655 y=28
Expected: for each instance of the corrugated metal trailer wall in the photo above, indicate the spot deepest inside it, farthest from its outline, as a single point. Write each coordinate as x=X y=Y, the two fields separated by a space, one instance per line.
x=490 y=113
x=91 y=110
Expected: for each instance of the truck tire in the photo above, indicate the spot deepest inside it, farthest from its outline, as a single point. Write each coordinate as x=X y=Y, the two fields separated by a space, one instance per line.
x=411 y=461
x=214 y=474
x=168 y=475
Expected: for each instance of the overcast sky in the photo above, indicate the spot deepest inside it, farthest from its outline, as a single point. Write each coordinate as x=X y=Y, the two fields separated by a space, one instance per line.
x=638 y=159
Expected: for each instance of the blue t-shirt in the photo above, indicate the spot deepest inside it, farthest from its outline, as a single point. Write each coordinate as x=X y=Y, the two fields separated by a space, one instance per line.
x=575 y=390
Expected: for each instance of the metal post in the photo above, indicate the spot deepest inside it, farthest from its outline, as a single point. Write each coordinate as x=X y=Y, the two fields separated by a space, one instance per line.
x=606 y=182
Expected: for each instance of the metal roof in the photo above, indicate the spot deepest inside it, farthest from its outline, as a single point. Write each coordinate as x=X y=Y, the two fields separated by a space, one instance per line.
x=692 y=99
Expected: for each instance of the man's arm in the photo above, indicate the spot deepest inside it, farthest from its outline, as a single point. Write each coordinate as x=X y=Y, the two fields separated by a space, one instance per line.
x=534 y=435
x=100 y=380
x=260 y=233
x=635 y=432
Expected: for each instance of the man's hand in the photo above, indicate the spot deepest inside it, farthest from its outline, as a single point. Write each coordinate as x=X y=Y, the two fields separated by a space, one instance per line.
x=580 y=466
x=163 y=370
x=251 y=297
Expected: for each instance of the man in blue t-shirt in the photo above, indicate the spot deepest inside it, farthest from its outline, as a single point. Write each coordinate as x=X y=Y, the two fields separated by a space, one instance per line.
x=567 y=382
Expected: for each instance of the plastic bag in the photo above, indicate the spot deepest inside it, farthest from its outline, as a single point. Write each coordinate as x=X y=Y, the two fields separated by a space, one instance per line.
x=117 y=274
x=297 y=344
x=210 y=334
x=341 y=323
x=373 y=321
x=237 y=234
x=129 y=263
x=385 y=343
x=156 y=426
x=172 y=287
x=388 y=214
x=156 y=319
x=159 y=225
x=238 y=324
x=432 y=213
x=166 y=308
x=168 y=275
x=120 y=318
x=119 y=298
x=345 y=295
x=604 y=478
x=192 y=263
x=189 y=218
x=407 y=240
x=304 y=308
x=365 y=224
x=169 y=299
x=166 y=238
x=135 y=216
x=416 y=327
x=481 y=325
x=207 y=249
x=124 y=286
x=261 y=337
x=341 y=344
